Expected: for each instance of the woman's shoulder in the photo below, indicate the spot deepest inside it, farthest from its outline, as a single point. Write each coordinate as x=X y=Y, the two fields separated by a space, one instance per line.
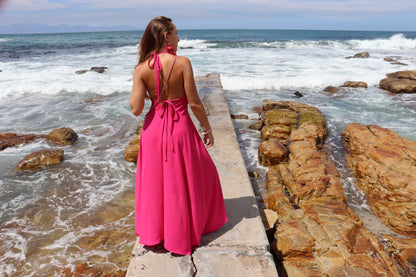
x=140 y=68
x=183 y=62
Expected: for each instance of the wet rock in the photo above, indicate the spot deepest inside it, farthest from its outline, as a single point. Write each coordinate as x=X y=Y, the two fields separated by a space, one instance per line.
x=403 y=252
x=400 y=82
x=280 y=117
x=399 y=63
x=331 y=89
x=253 y=174
x=271 y=152
x=275 y=131
x=269 y=104
x=239 y=116
x=297 y=94
x=99 y=69
x=132 y=149
x=11 y=139
x=81 y=71
x=40 y=159
x=355 y=84
x=408 y=74
x=62 y=136
x=389 y=59
x=317 y=233
x=385 y=167
x=258 y=110
x=362 y=55
x=140 y=127
x=257 y=125
x=84 y=269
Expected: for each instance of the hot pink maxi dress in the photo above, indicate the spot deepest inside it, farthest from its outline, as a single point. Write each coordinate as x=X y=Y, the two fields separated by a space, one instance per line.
x=178 y=191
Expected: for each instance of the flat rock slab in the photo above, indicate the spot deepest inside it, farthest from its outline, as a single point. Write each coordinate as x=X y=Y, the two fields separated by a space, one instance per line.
x=240 y=247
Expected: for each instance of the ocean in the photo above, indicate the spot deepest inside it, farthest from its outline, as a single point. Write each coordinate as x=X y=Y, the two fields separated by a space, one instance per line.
x=82 y=209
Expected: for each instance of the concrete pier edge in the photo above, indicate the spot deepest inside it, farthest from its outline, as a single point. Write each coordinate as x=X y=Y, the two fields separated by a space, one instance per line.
x=240 y=248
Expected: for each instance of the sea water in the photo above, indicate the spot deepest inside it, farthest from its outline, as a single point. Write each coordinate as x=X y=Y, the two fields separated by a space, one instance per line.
x=82 y=209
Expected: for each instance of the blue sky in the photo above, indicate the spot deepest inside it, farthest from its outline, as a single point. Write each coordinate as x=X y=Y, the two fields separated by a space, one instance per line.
x=399 y=15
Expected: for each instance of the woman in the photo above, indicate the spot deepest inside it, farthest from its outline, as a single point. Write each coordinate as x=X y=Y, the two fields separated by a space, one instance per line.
x=178 y=192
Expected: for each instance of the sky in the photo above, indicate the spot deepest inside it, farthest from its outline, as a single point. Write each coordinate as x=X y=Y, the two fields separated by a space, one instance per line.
x=17 y=16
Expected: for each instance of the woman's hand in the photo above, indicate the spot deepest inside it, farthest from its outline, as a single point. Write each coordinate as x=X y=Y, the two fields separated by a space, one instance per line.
x=209 y=140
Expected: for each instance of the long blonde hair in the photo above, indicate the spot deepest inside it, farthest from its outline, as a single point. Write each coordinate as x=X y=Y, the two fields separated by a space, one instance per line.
x=153 y=36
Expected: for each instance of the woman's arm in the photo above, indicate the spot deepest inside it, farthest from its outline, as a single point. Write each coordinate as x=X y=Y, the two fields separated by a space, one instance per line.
x=138 y=93
x=195 y=102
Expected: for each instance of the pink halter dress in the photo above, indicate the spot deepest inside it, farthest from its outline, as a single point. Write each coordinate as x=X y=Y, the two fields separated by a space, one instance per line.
x=178 y=191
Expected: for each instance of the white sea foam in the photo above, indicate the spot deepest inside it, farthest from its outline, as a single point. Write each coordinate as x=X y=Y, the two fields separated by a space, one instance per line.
x=194 y=43
x=395 y=42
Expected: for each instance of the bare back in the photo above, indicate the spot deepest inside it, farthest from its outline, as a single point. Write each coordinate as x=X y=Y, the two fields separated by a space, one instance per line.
x=175 y=85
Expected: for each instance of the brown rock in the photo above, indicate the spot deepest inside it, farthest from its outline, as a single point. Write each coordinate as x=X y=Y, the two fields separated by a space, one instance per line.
x=398 y=85
x=303 y=267
x=258 y=110
x=349 y=271
x=280 y=117
x=317 y=234
x=99 y=69
x=355 y=84
x=62 y=136
x=408 y=74
x=362 y=55
x=140 y=127
x=257 y=125
x=81 y=71
x=239 y=116
x=403 y=252
x=275 y=131
x=132 y=149
x=385 y=166
x=11 y=139
x=269 y=105
x=39 y=159
x=293 y=240
x=271 y=152
x=331 y=89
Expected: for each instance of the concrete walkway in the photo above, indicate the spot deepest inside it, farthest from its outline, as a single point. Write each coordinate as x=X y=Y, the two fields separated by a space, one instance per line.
x=240 y=247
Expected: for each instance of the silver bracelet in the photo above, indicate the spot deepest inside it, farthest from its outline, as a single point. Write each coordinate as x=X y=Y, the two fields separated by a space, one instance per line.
x=206 y=132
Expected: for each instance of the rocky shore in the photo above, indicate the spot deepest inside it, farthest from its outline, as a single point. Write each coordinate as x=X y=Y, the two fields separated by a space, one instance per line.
x=316 y=233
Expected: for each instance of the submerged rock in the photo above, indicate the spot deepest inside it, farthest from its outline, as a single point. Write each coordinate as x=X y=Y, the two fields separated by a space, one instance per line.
x=385 y=167
x=40 y=159
x=331 y=89
x=12 y=139
x=400 y=82
x=62 y=136
x=362 y=55
x=239 y=116
x=355 y=84
x=257 y=125
x=98 y=69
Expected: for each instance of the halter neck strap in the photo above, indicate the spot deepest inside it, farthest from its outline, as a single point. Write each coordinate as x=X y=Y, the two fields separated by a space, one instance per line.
x=157 y=66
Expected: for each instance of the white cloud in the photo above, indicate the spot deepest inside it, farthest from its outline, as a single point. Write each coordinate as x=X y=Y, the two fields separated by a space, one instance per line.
x=32 y=5
x=264 y=6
